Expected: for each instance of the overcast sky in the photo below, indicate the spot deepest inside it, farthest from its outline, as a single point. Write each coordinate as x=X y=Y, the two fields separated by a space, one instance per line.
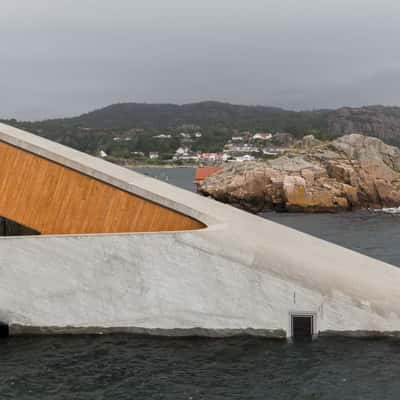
x=66 y=57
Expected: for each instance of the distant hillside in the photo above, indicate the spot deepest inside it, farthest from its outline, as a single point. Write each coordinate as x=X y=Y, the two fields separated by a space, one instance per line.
x=205 y=114
x=126 y=128
x=382 y=122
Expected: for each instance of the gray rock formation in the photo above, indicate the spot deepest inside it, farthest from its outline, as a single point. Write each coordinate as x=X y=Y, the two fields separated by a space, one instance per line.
x=351 y=172
x=379 y=121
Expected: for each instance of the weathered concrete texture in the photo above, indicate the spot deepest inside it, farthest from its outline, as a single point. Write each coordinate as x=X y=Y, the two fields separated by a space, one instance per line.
x=241 y=274
x=179 y=281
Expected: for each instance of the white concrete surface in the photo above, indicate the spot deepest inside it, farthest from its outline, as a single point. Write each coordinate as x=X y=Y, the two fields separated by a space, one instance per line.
x=240 y=274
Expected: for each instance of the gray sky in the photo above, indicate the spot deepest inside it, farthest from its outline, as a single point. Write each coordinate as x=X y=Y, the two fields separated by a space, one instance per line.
x=65 y=57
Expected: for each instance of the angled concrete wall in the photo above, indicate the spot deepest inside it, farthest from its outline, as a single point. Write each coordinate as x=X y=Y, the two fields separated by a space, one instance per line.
x=240 y=274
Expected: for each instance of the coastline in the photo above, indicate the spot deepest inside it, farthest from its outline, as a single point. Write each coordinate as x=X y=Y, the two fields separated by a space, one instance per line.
x=132 y=165
x=167 y=166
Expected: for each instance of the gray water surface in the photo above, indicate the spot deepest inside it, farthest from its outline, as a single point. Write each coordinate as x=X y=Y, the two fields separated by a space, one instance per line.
x=128 y=367
x=182 y=177
x=371 y=233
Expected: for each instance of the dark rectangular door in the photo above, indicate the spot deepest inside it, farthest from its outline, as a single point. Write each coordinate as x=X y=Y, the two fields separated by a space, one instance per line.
x=302 y=326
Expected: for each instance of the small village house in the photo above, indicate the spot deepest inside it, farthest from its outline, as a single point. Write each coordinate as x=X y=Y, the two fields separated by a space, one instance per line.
x=203 y=173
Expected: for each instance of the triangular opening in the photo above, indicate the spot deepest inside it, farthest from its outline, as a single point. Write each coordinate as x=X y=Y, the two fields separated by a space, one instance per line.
x=12 y=228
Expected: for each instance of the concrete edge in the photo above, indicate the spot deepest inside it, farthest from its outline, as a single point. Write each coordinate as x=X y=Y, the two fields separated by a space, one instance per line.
x=95 y=168
x=215 y=227
x=279 y=334
x=360 y=334
x=24 y=330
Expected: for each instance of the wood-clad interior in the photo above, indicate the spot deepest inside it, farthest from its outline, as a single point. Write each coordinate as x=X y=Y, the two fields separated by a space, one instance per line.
x=53 y=199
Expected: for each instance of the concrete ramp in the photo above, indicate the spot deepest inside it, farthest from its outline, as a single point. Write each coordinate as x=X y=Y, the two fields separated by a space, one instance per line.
x=122 y=252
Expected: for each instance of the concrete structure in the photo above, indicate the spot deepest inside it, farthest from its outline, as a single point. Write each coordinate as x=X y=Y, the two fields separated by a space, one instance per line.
x=231 y=273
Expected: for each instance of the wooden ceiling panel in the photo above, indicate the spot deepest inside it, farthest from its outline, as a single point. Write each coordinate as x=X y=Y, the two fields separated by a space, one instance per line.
x=54 y=199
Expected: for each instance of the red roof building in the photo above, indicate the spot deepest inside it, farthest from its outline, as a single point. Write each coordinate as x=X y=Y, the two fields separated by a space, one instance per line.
x=203 y=173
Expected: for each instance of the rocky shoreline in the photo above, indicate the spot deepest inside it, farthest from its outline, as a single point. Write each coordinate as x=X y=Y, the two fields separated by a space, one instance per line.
x=350 y=173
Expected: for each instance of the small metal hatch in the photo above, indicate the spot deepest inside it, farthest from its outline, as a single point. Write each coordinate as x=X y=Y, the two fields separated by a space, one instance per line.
x=302 y=326
x=4 y=330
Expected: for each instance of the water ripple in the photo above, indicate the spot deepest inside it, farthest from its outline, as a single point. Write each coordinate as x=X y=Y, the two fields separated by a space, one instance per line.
x=126 y=367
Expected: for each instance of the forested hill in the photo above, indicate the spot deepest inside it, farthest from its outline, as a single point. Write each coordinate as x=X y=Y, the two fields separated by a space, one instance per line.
x=204 y=114
x=127 y=128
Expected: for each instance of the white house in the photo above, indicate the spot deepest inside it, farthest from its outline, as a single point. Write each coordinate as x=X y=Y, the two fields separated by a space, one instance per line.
x=211 y=156
x=262 y=136
x=162 y=136
x=246 y=157
x=225 y=157
x=242 y=148
x=182 y=151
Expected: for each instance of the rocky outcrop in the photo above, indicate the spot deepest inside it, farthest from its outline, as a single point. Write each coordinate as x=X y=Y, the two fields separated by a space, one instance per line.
x=351 y=172
x=379 y=121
